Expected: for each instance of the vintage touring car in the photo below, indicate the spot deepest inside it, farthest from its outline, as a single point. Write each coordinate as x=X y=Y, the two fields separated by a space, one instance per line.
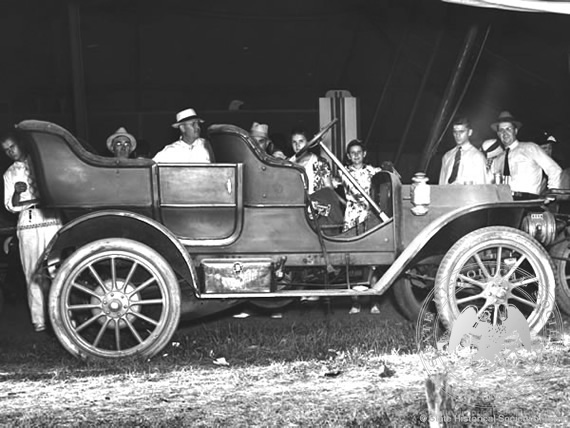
x=144 y=244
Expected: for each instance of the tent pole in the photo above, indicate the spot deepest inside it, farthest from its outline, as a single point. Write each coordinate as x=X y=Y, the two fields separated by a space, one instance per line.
x=446 y=109
x=419 y=94
x=78 y=74
x=387 y=84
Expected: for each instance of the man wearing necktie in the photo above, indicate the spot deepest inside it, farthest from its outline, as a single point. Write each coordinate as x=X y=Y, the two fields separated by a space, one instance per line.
x=464 y=164
x=524 y=163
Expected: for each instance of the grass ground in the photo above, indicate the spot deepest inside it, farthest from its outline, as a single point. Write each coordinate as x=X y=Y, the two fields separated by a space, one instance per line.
x=307 y=369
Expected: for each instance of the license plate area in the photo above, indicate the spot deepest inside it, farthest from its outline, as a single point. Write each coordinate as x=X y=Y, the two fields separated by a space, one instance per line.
x=237 y=275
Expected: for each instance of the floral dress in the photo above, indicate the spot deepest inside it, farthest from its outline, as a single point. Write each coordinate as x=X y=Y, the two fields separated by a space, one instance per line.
x=317 y=169
x=356 y=206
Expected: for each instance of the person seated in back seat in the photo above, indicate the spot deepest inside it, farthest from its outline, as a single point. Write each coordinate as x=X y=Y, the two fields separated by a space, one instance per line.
x=121 y=143
x=189 y=148
x=260 y=133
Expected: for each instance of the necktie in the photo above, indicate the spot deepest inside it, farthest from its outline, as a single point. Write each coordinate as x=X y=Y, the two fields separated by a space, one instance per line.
x=455 y=168
x=506 y=168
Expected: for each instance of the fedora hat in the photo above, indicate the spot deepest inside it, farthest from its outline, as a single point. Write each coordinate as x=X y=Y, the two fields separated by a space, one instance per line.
x=121 y=132
x=184 y=115
x=505 y=116
x=259 y=130
x=492 y=148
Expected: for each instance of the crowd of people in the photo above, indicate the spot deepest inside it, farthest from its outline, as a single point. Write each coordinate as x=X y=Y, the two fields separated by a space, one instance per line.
x=527 y=167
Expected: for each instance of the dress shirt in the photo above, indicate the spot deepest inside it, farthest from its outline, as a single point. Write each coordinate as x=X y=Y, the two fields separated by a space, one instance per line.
x=527 y=161
x=182 y=152
x=472 y=168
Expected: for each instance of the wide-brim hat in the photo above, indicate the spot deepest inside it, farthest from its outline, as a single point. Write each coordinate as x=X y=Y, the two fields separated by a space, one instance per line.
x=505 y=116
x=492 y=148
x=121 y=132
x=184 y=115
x=259 y=130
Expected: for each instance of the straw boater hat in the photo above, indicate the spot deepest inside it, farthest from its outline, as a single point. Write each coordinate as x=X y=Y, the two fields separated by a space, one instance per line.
x=121 y=132
x=492 y=148
x=184 y=115
x=505 y=116
x=259 y=130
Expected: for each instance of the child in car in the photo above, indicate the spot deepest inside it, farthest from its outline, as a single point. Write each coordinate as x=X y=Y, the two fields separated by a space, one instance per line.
x=356 y=205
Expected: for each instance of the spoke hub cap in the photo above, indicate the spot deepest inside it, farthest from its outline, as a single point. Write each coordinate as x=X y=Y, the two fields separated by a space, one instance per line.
x=116 y=305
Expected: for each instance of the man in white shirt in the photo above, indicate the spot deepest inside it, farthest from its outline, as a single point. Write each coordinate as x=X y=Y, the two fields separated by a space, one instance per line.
x=190 y=148
x=464 y=164
x=524 y=163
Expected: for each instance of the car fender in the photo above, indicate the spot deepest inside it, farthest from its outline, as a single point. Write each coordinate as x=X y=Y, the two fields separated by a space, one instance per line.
x=429 y=233
x=124 y=224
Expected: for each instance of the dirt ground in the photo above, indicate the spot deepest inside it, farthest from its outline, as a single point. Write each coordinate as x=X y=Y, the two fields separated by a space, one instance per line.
x=352 y=390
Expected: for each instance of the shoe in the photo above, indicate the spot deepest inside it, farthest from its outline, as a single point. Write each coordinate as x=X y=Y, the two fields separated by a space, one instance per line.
x=242 y=315
x=38 y=328
x=277 y=315
x=375 y=309
x=354 y=310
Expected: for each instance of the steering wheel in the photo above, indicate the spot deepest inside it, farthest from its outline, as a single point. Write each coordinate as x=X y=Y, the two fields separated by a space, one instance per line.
x=315 y=140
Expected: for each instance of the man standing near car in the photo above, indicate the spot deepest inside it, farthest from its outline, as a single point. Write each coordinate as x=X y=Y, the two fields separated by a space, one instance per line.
x=523 y=163
x=189 y=148
x=464 y=164
x=36 y=227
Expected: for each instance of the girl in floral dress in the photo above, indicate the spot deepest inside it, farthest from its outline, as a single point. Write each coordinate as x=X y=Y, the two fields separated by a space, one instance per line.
x=356 y=205
x=317 y=169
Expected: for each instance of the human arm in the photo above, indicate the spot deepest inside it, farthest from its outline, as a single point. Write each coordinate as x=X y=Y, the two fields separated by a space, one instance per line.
x=13 y=191
x=548 y=165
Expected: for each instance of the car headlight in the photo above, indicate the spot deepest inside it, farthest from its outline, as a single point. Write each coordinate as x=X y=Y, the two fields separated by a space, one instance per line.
x=541 y=226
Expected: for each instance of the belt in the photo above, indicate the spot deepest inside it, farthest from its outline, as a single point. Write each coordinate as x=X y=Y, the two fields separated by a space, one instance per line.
x=36 y=225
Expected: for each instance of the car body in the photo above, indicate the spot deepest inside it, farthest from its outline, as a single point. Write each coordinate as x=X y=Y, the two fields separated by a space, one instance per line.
x=144 y=244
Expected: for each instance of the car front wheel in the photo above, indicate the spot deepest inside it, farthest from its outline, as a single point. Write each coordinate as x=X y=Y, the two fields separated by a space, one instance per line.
x=492 y=268
x=114 y=298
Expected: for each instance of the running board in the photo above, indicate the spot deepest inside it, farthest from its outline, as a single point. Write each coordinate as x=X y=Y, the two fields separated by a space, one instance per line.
x=290 y=293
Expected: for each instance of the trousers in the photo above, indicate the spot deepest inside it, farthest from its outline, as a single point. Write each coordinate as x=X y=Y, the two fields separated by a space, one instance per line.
x=36 y=228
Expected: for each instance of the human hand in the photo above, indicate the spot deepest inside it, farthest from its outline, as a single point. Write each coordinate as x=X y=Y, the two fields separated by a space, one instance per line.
x=20 y=187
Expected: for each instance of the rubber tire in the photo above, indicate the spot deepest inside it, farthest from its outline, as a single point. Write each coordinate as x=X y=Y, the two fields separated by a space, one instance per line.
x=489 y=237
x=404 y=296
x=79 y=260
x=562 y=249
x=405 y=299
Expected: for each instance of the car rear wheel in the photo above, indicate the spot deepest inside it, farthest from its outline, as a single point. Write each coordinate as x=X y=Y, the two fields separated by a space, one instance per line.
x=114 y=298
x=491 y=268
x=560 y=254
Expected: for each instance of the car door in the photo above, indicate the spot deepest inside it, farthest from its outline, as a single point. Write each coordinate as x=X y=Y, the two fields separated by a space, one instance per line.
x=201 y=203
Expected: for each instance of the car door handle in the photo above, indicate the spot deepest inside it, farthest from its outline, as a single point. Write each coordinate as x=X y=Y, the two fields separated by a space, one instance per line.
x=229 y=186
